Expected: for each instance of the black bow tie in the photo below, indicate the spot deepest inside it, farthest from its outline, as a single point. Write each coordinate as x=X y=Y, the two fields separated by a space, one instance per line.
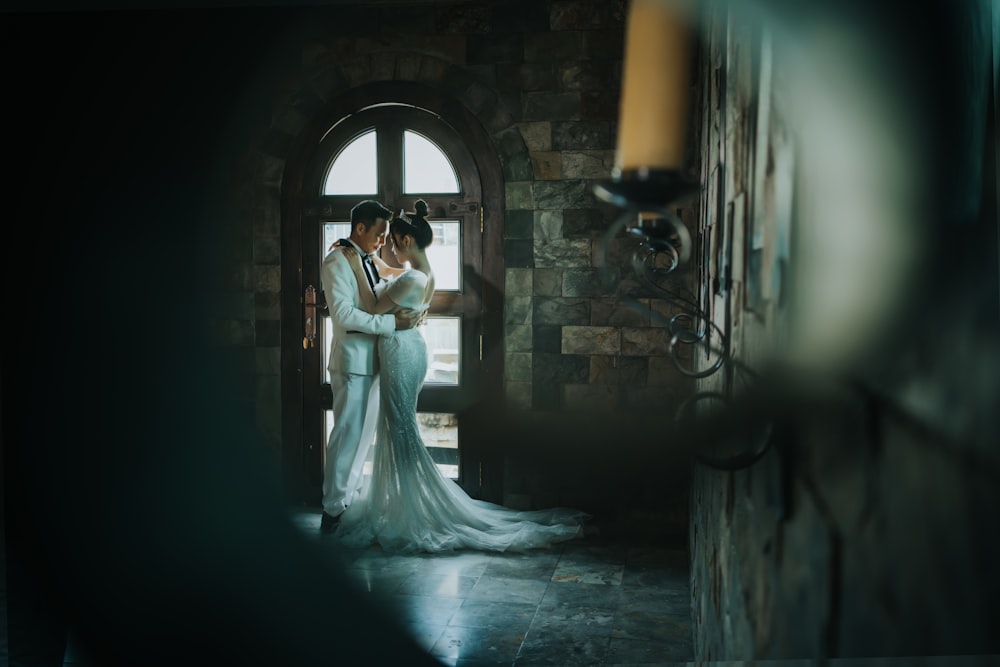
x=367 y=259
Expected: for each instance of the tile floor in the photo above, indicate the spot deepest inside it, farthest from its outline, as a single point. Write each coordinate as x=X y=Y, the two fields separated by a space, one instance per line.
x=586 y=602
x=593 y=601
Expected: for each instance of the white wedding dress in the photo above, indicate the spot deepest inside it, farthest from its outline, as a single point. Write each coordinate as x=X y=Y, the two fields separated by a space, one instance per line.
x=407 y=504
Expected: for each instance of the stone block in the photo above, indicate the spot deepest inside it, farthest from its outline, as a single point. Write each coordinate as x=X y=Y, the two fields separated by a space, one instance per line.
x=355 y=70
x=501 y=117
x=617 y=370
x=382 y=67
x=663 y=372
x=433 y=70
x=517 y=367
x=408 y=66
x=498 y=48
x=645 y=342
x=559 y=310
x=267 y=333
x=266 y=250
x=458 y=80
x=519 y=196
x=518 y=338
x=471 y=19
x=581 y=135
x=547 y=165
x=663 y=310
x=534 y=77
x=562 y=253
x=267 y=306
x=511 y=142
x=518 y=253
x=518 y=224
x=586 y=15
x=561 y=195
x=588 y=164
x=546 y=338
x=588 y=75
x=268 y=360
x=267 y=279
x=604 y=44
x=599 y=105
x=548 y=225
x=521 y=167
x=518 y=282
x=328 y=83
x=519 y=310
x=551 y=106
x=590 y=282
x=614 y=312
x=524 y=17
x=559 y=369
x=547 y=282
x=270 y=170
x=235 y=305
x=552 y=46
x=591 y=340
x=537 y=136
x=583 y=223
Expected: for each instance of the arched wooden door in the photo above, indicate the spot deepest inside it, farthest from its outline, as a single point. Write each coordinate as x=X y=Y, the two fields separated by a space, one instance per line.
x=395 y=153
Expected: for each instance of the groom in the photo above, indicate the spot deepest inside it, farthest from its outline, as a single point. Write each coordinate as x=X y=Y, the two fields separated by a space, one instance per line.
x=349 y=277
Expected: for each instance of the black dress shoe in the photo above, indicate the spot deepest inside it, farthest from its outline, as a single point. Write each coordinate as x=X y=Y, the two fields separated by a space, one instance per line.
x=328 y=523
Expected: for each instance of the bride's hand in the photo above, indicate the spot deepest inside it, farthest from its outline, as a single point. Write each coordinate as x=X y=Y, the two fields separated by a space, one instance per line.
x=407 y=319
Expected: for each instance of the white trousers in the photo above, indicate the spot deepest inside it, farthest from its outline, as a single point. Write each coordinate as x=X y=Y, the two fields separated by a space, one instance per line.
x=355 y=409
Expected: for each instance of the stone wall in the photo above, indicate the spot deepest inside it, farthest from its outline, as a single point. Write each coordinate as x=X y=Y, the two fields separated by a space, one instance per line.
x=868 y=528
x=543 y=78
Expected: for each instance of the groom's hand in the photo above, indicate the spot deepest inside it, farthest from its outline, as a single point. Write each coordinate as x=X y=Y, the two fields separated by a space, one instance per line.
x=407 y=319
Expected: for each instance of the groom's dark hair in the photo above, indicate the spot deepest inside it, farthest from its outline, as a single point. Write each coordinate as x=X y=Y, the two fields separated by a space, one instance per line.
x=367 y=211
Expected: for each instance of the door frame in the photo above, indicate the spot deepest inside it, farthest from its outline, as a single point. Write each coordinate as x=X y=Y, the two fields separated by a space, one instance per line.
x=481 y=469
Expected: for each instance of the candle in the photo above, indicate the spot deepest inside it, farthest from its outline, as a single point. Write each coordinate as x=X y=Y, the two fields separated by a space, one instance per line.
x=655 y=87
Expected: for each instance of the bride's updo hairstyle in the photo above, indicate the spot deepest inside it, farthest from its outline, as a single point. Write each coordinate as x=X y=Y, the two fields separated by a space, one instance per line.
x=414 y=223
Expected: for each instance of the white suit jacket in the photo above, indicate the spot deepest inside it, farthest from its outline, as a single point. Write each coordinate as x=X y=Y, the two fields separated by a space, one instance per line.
x=354 y=348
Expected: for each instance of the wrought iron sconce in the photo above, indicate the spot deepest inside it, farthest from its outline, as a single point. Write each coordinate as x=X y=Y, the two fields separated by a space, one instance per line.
x=649 y=179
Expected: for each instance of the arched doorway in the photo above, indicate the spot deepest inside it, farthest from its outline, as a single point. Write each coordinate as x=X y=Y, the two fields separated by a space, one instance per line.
x=395 y=143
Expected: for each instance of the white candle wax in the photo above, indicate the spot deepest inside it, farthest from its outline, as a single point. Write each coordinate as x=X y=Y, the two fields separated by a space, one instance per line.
x=655 y=86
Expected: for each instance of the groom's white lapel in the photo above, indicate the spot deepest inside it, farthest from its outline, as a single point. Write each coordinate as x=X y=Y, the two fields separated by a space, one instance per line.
x=364 y=291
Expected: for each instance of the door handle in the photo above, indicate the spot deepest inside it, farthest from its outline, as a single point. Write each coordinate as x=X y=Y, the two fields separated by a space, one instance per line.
x=309 y=326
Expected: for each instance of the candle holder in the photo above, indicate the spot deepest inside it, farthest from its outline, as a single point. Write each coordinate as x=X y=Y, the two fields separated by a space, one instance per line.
x=646 y=189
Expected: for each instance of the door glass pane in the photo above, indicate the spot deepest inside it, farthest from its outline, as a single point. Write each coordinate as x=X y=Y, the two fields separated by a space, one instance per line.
x=425 y=166
x=332 y=232
x=354 y=170
x=445 y=255
x=439 y=432
x=444 y=353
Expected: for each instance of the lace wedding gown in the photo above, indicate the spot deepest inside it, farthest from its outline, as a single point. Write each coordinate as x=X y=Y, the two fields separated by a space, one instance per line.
x=407 y=504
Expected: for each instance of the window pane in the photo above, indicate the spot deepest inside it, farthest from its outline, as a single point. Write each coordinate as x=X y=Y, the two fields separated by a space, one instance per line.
x=444 y=353
x=425 y=166
x=445 y=255
x=439 y=432
x=440 y=435
x=332 y=232
x=354 y=170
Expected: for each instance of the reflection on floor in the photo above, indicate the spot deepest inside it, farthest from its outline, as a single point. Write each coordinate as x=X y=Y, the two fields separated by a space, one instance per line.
x=587 y=602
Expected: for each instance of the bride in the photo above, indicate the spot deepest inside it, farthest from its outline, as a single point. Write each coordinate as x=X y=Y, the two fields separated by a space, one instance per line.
x=407 y=504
